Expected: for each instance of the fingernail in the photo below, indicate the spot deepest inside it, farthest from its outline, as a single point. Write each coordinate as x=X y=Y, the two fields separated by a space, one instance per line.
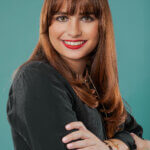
x=131 y=133
x=69 y=145
x=64 y=139
x=68 y=126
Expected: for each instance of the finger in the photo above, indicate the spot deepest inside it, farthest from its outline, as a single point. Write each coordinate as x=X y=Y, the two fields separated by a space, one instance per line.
x=76 y=125
x=75 y=135
x=134 y=136
x=81 y=144
x=137 y=139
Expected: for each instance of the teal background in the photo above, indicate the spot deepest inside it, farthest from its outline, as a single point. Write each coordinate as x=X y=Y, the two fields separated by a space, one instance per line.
x=19 y=31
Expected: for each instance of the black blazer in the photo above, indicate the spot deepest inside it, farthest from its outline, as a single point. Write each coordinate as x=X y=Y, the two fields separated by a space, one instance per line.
x=41 y=102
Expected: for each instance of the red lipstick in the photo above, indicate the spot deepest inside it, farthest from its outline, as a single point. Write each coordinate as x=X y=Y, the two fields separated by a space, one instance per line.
x=74 y=46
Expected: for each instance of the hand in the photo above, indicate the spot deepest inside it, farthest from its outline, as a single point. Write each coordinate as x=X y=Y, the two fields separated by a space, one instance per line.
x=90 y=141
x=140 y=143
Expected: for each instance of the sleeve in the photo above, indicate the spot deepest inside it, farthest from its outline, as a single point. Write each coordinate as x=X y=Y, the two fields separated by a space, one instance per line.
x=129 y=126
x=41 y=109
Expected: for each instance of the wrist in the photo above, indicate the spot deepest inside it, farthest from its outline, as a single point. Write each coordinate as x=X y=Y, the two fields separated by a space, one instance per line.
x=111 y=145
x=117 y=144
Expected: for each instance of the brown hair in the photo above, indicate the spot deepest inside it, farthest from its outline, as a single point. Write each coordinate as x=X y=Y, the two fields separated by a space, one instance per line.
x=102 y=60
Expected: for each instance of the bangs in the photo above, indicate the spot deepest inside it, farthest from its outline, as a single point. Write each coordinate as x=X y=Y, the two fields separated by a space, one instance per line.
x=85 y=7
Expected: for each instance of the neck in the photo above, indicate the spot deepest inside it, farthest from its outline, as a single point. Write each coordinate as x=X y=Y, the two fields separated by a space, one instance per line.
x=78 y=66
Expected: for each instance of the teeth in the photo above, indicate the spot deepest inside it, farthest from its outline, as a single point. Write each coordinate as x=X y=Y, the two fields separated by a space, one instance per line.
x=74 y=43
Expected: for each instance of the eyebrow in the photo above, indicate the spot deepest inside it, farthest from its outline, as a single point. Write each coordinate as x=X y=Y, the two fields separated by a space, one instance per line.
x=65 y=13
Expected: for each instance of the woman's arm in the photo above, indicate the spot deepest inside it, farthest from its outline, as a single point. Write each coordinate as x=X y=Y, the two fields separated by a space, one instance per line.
x=39 y=109
x=140 y=143
x=123 y=138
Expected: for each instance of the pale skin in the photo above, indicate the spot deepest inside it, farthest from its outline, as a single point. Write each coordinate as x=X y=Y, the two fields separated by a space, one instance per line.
x=90 y=141
x=77 y=27
x=141 y=144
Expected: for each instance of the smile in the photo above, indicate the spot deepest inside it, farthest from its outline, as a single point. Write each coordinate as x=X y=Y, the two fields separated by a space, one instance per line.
x=74 y=44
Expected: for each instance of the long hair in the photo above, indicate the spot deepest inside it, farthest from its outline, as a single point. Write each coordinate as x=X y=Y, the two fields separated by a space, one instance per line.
x=102 y=60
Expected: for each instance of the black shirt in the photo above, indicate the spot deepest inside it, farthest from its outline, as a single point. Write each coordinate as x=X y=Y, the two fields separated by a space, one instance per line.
x=41 y=102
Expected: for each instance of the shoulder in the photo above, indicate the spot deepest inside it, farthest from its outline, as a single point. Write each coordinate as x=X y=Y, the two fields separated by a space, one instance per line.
x=37 y=77
x=37 y=71
x=37 y=68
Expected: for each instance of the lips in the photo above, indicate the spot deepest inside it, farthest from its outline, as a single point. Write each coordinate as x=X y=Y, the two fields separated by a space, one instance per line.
x=74 y=44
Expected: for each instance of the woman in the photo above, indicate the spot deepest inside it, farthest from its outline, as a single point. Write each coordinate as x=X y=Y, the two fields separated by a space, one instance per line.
x=71 y=79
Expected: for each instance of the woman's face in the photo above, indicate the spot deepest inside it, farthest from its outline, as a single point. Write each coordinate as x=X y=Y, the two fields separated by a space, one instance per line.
x=80 y=31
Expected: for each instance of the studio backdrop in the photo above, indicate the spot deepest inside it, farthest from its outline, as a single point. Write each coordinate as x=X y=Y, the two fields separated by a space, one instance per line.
x=19 y=32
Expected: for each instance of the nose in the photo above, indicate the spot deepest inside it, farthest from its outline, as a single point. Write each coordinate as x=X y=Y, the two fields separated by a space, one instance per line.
x=74 y=29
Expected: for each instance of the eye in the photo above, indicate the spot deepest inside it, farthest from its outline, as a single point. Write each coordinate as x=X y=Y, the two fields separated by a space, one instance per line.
x=87 y=18
x=62 y=18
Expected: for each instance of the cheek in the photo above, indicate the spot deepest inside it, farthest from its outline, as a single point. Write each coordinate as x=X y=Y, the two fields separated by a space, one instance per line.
x=55 y=31
x=92 y=31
